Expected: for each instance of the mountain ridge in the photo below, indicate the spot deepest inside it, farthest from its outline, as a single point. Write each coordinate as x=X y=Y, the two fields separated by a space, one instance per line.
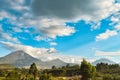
x=23 y=59
x=103 y=60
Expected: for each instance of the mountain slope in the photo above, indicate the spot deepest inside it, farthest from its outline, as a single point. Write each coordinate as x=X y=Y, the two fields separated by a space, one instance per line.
x=18 y=58
x=56 y=62
x=22 y=59
x=103 y=60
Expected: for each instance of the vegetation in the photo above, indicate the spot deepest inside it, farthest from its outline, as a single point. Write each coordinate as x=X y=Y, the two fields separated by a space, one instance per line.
x=33 y=70
x=85 y=71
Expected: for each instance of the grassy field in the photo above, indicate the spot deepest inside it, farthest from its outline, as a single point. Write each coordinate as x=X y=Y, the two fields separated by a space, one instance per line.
x=2 y=78
x=6 y=66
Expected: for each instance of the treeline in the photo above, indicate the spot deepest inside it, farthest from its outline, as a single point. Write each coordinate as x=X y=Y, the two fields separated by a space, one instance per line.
x=85 y=71
x=63 y=71
x=108 y=71
x=108 y=68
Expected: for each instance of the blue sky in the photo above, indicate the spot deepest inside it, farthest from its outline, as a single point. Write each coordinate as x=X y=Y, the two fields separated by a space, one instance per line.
x=65 y=29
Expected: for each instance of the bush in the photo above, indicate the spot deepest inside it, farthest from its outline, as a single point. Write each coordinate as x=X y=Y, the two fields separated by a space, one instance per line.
x=116 y=78
x=107 y=77
x=45 y=77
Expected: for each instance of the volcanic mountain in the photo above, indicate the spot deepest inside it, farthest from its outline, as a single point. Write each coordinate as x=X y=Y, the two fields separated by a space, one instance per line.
x=103 y=60
x=22 y=59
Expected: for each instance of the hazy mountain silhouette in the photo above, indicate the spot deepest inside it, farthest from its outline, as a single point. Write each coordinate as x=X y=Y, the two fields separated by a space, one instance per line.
x=103 y=60
x=22 y=59
x=18 y=58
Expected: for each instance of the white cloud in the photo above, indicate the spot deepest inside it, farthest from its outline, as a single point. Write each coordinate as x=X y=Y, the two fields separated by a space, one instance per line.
x=65 y=58
x=106 y=35
x=49 y=19
x=57 y=30
x=103 y=53
x=39 y=38
x=117 y=27
x=72 y=9
x=115 y=19
x=17 y=29
x=33 y=51
x=53 y=43
x=7 y=37
x=4 y=14
x=54 y=28
x=51 y=28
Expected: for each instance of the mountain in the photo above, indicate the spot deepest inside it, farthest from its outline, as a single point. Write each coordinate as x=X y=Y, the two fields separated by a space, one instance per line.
x=103 y=60
x=22 y=59
x=18 y=58
x=55 y=62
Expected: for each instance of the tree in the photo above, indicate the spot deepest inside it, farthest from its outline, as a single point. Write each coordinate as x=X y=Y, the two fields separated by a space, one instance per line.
x=45 y=77
x=87 y=70
x=13 y=75
x=33 y=70
x=54 y=67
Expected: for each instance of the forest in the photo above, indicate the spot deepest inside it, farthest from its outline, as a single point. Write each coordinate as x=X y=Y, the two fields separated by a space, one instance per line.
x=85 y=71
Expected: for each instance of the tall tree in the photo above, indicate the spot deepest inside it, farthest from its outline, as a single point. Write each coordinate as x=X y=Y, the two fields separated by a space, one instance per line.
x=87 y=70
x=33 y=70
x=54 y=67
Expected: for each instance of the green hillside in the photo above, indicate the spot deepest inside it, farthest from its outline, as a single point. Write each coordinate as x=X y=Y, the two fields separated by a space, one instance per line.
x=6 y=66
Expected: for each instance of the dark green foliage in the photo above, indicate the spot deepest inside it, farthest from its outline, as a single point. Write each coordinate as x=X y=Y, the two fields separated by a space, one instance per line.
x=53 y=67
x=57 y=72
x=107 y=77
x=45 y=76
x=102 y=71
x=33 y=70
x=116 y=78
x=108 y=71
x=87 y=70
x=102 y=67
x=110 y=77
x=64 y=71
x=113 y=69
x=13 y=75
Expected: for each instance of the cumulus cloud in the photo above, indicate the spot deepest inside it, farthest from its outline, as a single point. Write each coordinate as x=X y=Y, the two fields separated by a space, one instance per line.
x=20 y=14
x=115 y=23
x=54 y=28
x=33 y=51
x=7 y=37
x=55 y=31
x=72 y=9
x=103 y=53
x=49 y=17
x=106 y=35
x=117 y=27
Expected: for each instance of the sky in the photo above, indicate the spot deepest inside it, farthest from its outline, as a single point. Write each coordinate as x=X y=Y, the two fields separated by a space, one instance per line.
x=66 y=29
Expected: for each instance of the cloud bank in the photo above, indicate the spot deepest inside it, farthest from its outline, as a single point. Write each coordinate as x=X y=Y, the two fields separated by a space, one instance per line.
x=33 y=51
x=48 y=19
x=103 y=53
x=74 y=9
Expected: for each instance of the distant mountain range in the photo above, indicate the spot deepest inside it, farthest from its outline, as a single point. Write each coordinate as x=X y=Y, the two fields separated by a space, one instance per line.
x=103 y=60
x=22 y=59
